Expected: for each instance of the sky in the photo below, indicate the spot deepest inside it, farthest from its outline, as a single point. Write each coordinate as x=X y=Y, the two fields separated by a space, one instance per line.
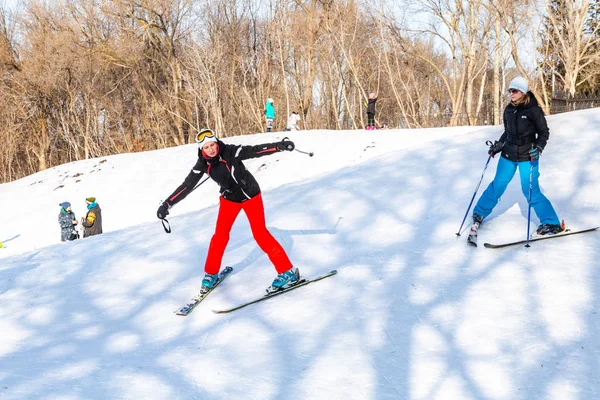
x=413 y=313
x=11 y=3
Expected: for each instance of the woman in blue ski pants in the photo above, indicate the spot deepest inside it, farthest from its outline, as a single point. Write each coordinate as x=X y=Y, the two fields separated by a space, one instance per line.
x=504 y=174
x=525 y=136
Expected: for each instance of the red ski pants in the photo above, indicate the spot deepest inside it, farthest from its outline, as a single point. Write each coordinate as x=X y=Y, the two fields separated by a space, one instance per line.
x=255 y=211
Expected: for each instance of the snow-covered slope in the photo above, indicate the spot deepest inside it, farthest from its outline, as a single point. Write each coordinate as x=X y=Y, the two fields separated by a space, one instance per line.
x=413 y=313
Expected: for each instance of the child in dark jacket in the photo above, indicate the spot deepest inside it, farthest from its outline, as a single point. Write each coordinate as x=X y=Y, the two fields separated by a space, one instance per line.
x=67 y=222
x=371 y=111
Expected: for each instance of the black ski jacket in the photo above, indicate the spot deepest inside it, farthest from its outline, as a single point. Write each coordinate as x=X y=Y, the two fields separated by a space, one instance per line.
x=226 y=168
x=371 y=106
x=524 y=125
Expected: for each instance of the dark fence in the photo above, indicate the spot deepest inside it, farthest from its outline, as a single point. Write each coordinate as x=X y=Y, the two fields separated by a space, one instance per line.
x=561 y=105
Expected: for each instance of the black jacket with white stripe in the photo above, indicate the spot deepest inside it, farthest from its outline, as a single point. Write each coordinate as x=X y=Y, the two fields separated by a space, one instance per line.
x=226 y=168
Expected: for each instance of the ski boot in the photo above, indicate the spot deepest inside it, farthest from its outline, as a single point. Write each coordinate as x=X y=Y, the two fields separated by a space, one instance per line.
x=550 y=229
x=284 y=280
x=472 y=238
x=208 y=282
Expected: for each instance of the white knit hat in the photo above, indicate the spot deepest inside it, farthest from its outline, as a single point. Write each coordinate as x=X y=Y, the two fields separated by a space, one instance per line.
x=519 y=83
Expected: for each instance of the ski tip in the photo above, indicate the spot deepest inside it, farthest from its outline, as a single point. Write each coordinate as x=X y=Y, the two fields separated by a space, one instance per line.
x=488 y=245
x=472 y=244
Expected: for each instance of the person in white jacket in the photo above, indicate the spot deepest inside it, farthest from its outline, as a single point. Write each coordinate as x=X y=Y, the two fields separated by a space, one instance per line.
x=292 y=124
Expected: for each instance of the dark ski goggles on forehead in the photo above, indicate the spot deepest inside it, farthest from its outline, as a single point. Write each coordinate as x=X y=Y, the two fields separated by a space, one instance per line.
x=204 y=133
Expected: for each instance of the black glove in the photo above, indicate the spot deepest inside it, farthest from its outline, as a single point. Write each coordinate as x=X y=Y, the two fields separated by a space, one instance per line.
x=495 y=148
x=163 y=211
x=535 y=153
x=286 y=145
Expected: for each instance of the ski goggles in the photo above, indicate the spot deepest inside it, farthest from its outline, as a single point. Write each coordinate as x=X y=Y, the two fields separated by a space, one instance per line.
x=203 y=134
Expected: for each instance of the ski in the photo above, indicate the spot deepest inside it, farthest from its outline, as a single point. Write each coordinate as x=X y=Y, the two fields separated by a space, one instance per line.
x=565 y=233
x=300 y=283
x=189 y=307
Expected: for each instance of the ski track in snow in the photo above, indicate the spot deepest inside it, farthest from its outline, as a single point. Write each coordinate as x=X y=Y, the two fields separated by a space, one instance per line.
x=413 y=313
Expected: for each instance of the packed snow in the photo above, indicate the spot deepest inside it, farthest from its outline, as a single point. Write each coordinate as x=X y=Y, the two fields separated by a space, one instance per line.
x=413 y=313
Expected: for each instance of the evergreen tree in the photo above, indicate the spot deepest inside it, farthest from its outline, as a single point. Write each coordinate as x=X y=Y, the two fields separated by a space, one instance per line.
x=555 y=44
x=592 y=87
x=551 y=64
x=593 y=22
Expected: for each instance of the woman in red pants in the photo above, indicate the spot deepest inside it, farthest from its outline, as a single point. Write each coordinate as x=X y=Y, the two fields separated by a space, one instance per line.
x=239 y=191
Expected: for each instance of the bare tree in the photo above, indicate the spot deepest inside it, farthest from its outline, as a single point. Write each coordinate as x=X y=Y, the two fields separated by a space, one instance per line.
x=463 y=27
x=570 y=41
x=87 y=78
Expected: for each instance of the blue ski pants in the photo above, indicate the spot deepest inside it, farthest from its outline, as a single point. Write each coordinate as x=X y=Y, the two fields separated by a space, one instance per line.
x=504 y=173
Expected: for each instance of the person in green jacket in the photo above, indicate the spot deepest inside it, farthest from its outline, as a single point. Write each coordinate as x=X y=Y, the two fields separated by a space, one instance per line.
x=269 y=114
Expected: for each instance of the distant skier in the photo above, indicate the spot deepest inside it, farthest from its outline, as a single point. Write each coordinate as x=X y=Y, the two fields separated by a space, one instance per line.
x=239 y=191
x=292 y=124
x=67 y=222
x=371 y=111
x=92 y=223
x=269 y=114
x=525 y=135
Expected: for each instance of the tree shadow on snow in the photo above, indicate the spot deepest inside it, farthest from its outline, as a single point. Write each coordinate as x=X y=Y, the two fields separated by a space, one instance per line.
x=412 y=314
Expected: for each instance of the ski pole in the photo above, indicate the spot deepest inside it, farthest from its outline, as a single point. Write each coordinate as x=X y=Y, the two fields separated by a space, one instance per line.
x=304 y=152
x=529 y=200
x=196 y=187
x=476 y=189
x=299 y=151
x=167 y=226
